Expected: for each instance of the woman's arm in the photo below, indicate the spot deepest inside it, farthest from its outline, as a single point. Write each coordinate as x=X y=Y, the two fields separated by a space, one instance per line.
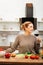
x=38 y=39
x=13 y=45
x=36 y=46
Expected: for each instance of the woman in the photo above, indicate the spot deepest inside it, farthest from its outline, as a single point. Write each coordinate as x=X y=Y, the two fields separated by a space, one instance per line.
x=26 y=42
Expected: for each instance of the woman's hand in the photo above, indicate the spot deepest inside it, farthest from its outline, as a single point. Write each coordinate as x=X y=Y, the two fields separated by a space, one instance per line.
x=38 y=39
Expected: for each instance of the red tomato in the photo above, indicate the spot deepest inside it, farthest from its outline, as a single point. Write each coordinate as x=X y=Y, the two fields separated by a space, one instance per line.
x=32 y=57
x=36 y=57
x=26 y=56
x=7 y=55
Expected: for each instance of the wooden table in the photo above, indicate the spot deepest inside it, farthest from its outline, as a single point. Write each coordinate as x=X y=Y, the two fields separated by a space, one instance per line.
x=20 y=61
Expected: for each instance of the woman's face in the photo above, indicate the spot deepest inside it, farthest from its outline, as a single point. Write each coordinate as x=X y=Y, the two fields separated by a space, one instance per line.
x=29 y=28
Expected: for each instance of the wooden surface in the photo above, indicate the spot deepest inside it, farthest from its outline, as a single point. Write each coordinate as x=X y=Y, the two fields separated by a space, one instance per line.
x=13 y=60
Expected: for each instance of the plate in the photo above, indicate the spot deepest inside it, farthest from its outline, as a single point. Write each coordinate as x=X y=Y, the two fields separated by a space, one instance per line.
x=2 y=53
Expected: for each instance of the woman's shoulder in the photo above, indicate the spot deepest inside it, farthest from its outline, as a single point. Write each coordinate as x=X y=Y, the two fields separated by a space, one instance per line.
x=33 y=36
x=19 y=35
x=22 y=36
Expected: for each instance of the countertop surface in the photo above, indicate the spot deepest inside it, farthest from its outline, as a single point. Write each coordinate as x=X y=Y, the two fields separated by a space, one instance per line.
x=20 y=60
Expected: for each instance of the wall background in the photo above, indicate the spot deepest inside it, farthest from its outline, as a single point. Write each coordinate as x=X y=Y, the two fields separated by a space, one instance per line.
x=11 y=9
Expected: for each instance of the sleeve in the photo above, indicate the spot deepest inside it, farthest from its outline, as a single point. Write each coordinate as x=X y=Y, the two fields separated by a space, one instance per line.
x=36 y=46
x=13 y=45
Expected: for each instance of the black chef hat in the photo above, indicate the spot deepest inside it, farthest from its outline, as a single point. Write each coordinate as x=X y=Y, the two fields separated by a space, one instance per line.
x=31 y=19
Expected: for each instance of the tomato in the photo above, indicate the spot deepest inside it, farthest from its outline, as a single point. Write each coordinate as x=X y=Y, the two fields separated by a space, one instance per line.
x=32 y=57
x=26 y=56
x=7 y=55
x=36 y=57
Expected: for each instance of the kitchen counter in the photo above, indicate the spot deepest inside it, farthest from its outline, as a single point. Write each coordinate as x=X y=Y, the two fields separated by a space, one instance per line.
x=20 y=61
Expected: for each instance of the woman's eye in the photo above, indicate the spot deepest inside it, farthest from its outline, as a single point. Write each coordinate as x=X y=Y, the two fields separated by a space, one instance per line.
x=31 y=26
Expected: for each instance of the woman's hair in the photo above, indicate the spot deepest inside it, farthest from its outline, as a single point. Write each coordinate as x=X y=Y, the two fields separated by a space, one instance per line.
x=25 y=24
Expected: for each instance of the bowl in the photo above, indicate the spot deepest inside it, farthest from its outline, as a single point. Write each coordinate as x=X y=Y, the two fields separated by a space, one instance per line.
x=2 y=53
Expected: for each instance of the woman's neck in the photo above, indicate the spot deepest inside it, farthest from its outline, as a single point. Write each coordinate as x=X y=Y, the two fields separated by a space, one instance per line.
x=27 y=33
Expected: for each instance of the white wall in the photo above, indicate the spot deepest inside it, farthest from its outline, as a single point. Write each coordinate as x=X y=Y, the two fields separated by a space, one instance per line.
x=11 y=9
x=38 y=9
